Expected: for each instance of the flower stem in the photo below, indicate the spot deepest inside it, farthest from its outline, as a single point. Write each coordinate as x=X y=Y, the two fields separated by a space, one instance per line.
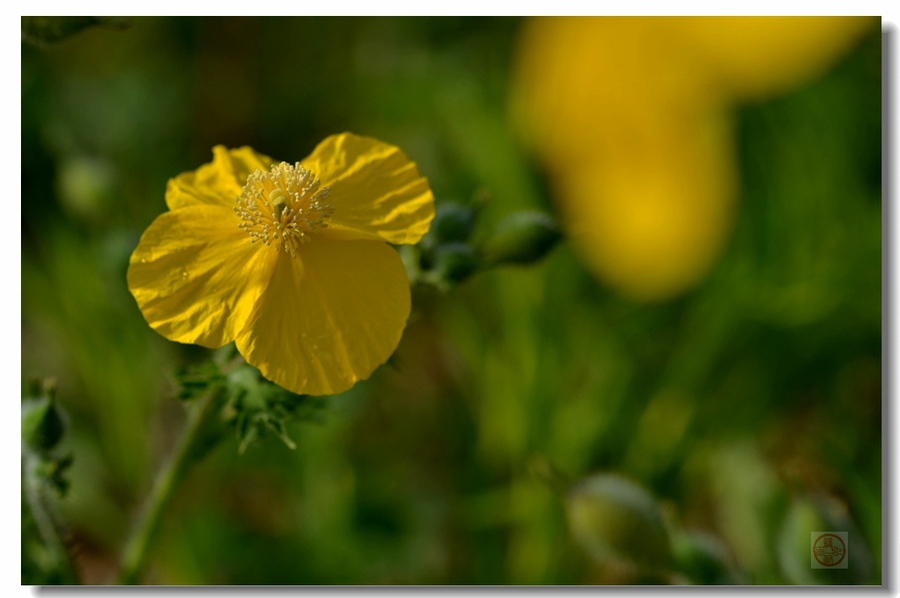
x=134 y=555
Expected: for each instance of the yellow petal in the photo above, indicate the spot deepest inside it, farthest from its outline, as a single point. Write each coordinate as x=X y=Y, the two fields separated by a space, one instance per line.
x=196 y=276
x=758 y=57
x=219 y=182
x=651 y=219
x=376 y=191
x=329 y=317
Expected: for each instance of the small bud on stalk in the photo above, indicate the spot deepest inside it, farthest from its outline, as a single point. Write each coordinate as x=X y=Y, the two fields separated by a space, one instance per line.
x=42 y=424
x=521 y=238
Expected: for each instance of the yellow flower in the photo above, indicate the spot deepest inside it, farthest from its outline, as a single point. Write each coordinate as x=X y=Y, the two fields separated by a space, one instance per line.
x=759 y=57
x=633 y=119
x=651 y=221
x=291 y=262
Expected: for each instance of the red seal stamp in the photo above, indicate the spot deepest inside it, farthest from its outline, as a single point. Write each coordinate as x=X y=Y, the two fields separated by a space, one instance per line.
x=829 y=550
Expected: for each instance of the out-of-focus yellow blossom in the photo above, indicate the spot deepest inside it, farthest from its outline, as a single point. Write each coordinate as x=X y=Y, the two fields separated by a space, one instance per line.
x=650 y=221
x=291 y=262
x=581 y=81
x=758 y=57
x=632 y=117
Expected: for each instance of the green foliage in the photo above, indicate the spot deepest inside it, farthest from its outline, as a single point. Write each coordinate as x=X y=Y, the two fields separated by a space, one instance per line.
x=45 y=558
x=615 y=519
x=704 y=559
x=43 y=427
x=47 y=30
x=252 y=405
x=261 y=408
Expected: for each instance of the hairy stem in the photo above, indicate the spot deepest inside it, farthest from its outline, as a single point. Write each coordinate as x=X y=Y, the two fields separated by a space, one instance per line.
x=135 y=552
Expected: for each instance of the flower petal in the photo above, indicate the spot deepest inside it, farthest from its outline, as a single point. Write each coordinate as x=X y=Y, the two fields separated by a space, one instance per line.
x=196 y=277
x=651 y=219
x=376 y=191
x=329 y=317
x=574 y=75
x=219 y=182
x=760 y=57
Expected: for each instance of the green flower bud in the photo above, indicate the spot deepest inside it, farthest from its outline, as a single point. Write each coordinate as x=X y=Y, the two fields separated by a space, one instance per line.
x=614 y=518
x=42 y=423
x=521 y=238
x=452 y=222
x=454 y=262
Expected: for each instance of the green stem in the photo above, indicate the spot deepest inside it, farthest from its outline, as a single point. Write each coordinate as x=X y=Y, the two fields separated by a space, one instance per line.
x=134 y=555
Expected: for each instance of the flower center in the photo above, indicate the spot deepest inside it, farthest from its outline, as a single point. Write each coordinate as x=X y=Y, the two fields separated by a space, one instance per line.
x=283 y=207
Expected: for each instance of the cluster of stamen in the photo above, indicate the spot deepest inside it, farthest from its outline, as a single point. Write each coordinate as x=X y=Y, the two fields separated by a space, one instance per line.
x=283 y=207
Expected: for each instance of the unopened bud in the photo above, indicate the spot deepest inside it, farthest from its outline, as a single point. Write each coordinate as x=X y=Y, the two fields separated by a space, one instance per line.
x=42 y=424
x=452 y=223
x=454 y=262
x=521 y=238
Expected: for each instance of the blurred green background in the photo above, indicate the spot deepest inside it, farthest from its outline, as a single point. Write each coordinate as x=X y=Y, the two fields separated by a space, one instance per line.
x=748 y=410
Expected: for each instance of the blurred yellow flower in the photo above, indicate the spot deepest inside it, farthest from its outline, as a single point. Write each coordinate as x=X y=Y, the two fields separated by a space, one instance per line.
x=650 y=221
x=632 y=117
x=759 y=57
x=291 y=262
